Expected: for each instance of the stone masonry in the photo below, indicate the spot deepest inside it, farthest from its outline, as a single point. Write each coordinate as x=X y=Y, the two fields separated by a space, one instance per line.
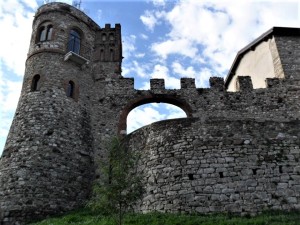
x=235 y=151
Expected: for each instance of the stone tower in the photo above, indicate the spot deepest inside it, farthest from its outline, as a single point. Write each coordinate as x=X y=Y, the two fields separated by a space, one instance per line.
x=238 y=151
x=48 y=153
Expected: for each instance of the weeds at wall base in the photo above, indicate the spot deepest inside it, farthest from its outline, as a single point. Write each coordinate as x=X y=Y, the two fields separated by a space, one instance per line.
x=85 y=216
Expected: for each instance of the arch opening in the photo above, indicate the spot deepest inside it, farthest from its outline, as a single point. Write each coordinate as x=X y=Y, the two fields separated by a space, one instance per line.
x=148 y=109
x=149 y=113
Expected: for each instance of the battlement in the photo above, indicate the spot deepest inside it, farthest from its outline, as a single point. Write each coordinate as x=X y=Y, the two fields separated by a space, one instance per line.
x=108 y=27
x=156 y=84
x=244 y=84
x=217 y=83
x=187 y=83
x=64 y=8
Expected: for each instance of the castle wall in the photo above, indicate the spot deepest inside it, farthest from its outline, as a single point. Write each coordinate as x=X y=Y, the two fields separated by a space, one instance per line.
x=236 y=151
x=239 y=166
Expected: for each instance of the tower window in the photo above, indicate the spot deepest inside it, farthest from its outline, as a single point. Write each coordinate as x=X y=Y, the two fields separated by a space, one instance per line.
x=111 y=55
x=111 y=37
x=101 y=55
x=103 y=37
x=70 y=89
x=45 y=32
x=35 y=85
x=74 y=42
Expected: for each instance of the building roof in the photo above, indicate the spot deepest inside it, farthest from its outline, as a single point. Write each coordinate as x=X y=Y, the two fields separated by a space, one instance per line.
x=282 y=31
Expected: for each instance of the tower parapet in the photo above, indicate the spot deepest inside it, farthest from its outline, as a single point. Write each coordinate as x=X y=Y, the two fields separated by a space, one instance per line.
x=61 y=28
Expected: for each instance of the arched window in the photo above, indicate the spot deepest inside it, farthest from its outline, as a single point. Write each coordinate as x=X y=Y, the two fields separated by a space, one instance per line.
x=70 y=89
x=74 y=42
x=35 y=85
x=42 y=36
x=49 y=32
x=45 y=32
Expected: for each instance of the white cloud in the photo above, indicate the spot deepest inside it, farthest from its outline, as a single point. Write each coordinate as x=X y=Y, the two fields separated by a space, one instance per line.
x=174 y=112
x=150 y=113
x=144 y=36
x=139 y=117
x=217 y=30
x=201 y=77
x=139 y=55
x=139 y=69
x=99 y=14
x=202 y=80
x=149 y=20
x=159 y=2
x=15 y=22
x=9 y=95
x=162 y=72
x=145 y=86
x=128 y=45
x=70 y=2
x=174 y=46
x=179 y=69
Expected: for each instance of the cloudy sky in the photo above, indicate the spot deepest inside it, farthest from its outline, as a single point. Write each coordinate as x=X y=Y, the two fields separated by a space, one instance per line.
x=161 y=39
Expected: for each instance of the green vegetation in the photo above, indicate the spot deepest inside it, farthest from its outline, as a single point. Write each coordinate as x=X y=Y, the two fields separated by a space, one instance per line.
x=86 y=216
x=120 y=185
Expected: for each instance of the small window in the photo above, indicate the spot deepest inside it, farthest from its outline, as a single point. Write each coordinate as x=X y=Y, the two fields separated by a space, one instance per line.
x=111 y=55
x=45 y=32
x=101 y=55
x=49 y=32
x=70 y=89
x=35 y=85
x=74 y=42
x=42 y=34
x=103 y=37
x=111 y=37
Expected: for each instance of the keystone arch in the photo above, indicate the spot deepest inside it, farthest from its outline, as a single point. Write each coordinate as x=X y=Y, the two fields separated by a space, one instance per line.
x=173 y=100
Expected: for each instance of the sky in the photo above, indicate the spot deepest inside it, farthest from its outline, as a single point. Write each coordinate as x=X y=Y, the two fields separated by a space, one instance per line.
x=166 y=39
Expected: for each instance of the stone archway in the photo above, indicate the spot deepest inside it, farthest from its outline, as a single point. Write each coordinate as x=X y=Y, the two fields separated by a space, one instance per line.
x=170 y=99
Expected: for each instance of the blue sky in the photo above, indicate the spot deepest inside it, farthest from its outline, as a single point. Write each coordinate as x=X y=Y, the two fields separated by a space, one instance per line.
x=161 y=39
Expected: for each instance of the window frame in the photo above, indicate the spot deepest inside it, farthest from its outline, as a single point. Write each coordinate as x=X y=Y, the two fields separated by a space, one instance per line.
x=45 y=32
x=74 y=41
x=70 y=89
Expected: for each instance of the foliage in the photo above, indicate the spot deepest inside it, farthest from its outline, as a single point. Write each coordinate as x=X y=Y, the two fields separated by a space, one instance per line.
x=88 y=217
x=120 y=185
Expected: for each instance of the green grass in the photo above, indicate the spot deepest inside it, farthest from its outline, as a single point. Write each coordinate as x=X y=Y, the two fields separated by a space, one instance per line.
x=87 y=217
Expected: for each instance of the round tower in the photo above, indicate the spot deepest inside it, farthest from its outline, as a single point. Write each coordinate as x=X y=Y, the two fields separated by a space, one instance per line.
x=47 y=165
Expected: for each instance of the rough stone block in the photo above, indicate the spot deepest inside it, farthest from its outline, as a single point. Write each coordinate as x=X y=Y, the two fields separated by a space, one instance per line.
x=157 y=84
x=187 y=83
x=272 y=82
x=245 y=83
x=216 y=83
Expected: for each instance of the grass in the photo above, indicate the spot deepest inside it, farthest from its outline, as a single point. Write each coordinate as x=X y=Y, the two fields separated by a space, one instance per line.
x=88 y=217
